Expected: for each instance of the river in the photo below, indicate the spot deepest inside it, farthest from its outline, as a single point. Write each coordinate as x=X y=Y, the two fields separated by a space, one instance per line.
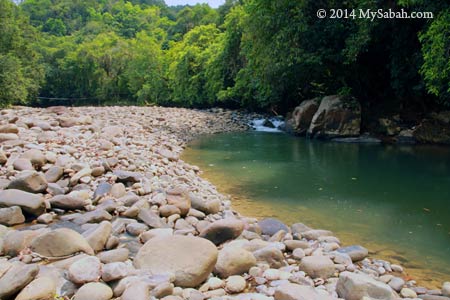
x=394 y=200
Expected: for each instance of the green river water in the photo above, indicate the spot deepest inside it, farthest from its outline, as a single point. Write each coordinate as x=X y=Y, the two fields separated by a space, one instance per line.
x=395 y=200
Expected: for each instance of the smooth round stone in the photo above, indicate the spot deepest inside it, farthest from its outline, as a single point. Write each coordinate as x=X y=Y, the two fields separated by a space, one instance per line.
x=298 y=253
x=94 y=291
x=446 y=289
x=235 y=284
x=408 y=293
x=215 y=283
x=317 y=266
x=85 y=270
x=190 y=259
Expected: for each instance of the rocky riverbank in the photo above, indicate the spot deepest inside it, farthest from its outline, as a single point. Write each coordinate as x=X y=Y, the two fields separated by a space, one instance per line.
x=340 y=119
x=96 y=204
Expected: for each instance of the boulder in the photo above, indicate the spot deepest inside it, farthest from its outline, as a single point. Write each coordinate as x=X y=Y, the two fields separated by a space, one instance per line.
x=59 y=243
x=42 y=288
x=336 y=117
x=85 y=270
x=234 y=261
x=29 y=181
x=317 y=266
x=388 y=127
x=270 y=226
x=28 y=202
x=432 y=131
x=94 y=291
x=189 y=259
x=356 y=252
x=16 y=278
x=291 y=291
x=223 y=230
x=302 y=116
x=353 y=286
x=11 y=216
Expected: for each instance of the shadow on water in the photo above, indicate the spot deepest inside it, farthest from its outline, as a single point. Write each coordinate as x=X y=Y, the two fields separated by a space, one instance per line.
x=394 y=200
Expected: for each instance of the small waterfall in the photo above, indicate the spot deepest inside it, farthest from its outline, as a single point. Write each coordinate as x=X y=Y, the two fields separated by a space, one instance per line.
x=273 y=124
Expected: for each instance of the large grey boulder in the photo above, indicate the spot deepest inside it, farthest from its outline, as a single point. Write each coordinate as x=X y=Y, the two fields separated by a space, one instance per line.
x=60 y=242
x=336 y=117
x=28 y=202
x=353 y=286
x=302 y=116
x=434 y=130
x=189 y=259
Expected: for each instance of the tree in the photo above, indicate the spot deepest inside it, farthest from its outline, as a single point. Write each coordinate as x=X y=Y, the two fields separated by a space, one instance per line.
x=189 y=61
x=20 y=73
x=436 y=56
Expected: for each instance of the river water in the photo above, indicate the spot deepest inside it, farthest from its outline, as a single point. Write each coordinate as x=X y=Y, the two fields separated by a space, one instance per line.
x=394 y=200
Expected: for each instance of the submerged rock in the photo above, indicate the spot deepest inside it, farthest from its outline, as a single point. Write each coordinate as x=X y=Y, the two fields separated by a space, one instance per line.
x=270 y=226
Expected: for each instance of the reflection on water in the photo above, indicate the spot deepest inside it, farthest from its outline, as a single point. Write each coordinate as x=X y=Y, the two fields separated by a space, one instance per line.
x=394 y=200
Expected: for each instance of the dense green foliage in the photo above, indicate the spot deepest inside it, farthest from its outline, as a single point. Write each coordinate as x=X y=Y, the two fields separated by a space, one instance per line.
x=259 y=54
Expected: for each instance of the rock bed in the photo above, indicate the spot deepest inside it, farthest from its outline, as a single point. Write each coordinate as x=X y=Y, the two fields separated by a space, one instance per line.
x=96 y=204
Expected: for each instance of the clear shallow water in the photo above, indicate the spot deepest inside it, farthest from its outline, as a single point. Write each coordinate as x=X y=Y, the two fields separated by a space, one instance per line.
x=394 y=200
